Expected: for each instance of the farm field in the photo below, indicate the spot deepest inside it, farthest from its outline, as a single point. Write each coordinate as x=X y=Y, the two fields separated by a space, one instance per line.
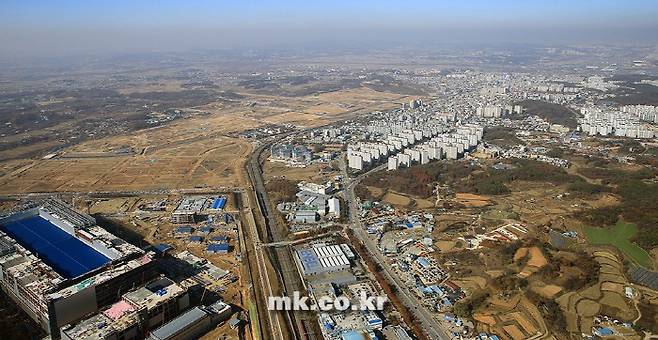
x=619 y=236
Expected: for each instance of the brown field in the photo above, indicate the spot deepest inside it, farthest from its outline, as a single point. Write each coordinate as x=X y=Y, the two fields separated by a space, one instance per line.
x=423 y=204
x=525 y=324
x=486 y=319
x=536 y=260
x=315 y=109
x=396 y=199
x=310 y=173
x=514 y=332
x=113 y=205
x=547 y=291
x=184 y=154
x=587 y=308
x=472 y=200
x=445 y=245
x=613 y=287
x=472 y=282
x=296 y=118
x=376 y=192
x=521 y=253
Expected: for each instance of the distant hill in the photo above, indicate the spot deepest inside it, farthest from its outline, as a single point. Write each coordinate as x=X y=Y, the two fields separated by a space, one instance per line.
x=552 y=113
x=633 y=92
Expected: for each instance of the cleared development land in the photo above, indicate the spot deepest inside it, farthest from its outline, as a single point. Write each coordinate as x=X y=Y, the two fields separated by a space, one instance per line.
x=204 y=151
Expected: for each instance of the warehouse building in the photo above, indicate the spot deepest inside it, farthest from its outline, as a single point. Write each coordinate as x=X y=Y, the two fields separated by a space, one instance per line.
x=218 y=248
x=322 y=259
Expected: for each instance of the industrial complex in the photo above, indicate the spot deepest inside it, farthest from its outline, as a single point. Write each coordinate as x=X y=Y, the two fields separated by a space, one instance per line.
x=78 y=281
x=59 y=266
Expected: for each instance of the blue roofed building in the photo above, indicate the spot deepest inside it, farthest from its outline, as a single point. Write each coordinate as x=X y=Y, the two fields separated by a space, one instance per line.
x=322 y=259
x=218 y=248
x=162 y=248
x=220 y=238
x=219 y=203
x=195 y=239
x=205 y=230
x=183 y=230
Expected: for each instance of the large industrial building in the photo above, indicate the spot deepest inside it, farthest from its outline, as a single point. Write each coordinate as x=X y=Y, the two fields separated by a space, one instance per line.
x=324 y=258
x=189 y=210
x=59 y=266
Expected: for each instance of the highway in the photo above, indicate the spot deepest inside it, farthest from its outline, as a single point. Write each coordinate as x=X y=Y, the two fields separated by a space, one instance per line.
x=430 y=324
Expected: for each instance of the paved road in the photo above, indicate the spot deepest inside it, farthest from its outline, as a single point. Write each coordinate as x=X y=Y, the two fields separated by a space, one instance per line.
x=427 y=319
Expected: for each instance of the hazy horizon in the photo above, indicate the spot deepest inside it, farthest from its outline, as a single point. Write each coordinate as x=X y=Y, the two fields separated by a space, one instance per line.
x=29 y=29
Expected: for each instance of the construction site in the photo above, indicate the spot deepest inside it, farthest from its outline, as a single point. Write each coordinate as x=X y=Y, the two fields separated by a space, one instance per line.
x=58 y=265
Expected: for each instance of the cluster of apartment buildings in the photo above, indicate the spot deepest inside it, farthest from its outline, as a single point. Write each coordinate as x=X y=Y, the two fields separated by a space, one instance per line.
x=444 y=146
x=558 y=87
x=645 y=113
x=598 y=121
x=294 y=153
x=497 y=111
x=411 y=137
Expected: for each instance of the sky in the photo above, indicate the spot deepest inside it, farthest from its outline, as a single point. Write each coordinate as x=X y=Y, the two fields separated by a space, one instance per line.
x=34 y=27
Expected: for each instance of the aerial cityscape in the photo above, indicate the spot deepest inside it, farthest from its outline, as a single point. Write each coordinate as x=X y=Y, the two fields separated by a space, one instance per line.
x=338 y=171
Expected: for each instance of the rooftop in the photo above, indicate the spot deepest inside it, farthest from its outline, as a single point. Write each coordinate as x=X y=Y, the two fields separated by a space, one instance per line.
x=66 y=254
x=154 y=293
x=178 y=324
x=192 y=204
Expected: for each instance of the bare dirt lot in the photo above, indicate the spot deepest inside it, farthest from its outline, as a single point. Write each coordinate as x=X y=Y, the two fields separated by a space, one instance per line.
x=184 y=154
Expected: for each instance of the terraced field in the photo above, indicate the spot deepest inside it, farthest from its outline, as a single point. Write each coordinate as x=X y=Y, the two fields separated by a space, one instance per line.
x=604 y=297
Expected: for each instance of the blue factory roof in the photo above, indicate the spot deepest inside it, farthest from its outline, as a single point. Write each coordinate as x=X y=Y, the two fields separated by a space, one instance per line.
x=67 y=255
x=219 y=238
x=218 y=247
x=309 y=260
x=219 y=203
x=196 y=238
x=162 y=247
x=183 y=230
